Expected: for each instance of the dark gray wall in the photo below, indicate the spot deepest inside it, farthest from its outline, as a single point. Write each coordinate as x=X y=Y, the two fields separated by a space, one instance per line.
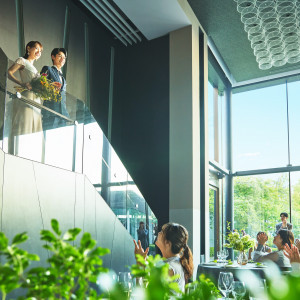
x=140 y=132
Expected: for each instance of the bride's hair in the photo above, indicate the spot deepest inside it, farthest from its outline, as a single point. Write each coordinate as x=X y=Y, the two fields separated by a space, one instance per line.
x=30 y=45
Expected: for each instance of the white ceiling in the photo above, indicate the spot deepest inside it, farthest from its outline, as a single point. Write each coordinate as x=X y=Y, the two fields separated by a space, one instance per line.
x=154 y=18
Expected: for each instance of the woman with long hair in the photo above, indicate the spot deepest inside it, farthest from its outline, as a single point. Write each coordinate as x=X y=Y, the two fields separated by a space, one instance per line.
x=26 y=118
x=282 y=237
x=172 y=242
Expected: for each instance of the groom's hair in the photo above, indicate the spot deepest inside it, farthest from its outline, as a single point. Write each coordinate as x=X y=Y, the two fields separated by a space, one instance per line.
x=55 y=51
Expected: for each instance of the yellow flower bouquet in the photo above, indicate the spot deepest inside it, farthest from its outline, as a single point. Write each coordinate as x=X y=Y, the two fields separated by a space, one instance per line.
x=44 y=88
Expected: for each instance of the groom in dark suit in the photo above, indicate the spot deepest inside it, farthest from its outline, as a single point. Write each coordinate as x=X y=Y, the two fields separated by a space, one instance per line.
x=58 y=56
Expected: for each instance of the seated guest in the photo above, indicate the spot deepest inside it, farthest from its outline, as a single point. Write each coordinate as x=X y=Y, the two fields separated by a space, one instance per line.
x=172 y=242
x=284 y=224
x=265 y=248
x=283 y=237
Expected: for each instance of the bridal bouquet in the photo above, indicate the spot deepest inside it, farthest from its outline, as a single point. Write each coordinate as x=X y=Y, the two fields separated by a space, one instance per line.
x=44 y=88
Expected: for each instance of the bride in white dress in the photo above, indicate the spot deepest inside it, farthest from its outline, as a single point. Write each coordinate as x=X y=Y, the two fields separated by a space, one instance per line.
x=26 y=119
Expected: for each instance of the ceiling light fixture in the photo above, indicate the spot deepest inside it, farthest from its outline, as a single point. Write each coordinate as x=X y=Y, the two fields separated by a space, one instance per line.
x=273 y=30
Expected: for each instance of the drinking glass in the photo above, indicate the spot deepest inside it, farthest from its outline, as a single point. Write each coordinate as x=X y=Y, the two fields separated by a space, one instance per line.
x=226 y=253
x=238 y=289
x=225 y=283
x=219 y=255
x=190 y=289
x=221 y=285
x=125 y=280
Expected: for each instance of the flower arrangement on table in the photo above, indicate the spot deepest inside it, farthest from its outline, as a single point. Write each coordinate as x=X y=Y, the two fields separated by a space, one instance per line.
x=44 y=88
x=239 y=241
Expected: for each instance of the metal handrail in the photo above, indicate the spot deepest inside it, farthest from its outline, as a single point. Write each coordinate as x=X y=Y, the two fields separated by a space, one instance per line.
x=18 y=96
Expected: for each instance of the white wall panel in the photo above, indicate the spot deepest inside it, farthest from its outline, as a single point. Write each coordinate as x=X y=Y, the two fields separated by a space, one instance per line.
x=89 y=208
x=79 y=199
x=118 y=257
x=105 y=222
x=21 y=209
x=56 y=189
x=33 y=194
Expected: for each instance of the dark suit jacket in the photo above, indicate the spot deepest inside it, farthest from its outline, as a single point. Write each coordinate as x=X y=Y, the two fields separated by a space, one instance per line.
x=52 y=74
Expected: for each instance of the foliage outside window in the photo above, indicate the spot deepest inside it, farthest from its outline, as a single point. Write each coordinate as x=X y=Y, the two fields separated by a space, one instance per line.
x=258 y=202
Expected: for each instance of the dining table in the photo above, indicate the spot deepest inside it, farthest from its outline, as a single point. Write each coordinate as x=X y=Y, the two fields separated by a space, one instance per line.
x=213 y=269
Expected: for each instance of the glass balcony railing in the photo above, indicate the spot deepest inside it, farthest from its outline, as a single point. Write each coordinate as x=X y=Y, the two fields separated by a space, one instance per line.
x=73 y=141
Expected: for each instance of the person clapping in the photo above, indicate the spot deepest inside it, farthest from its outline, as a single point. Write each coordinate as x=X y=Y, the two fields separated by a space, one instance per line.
x=172 y=241
x=282 y=238
x=265 y=248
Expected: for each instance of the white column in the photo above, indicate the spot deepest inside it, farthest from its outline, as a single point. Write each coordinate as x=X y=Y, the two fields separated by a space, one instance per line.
x=185 y=134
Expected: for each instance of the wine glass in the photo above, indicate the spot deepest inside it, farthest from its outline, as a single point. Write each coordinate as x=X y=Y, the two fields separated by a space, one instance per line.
x=226 y=253
x=125 y=280
x=238 y=289
x=225 y=283
x=221 y=285
x=219 y=255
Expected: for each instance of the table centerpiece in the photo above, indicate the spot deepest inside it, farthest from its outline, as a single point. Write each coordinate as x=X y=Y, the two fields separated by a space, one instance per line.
x=240 y=241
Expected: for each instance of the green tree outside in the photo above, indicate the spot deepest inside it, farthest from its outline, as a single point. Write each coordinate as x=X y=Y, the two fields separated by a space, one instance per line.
x=258 y=203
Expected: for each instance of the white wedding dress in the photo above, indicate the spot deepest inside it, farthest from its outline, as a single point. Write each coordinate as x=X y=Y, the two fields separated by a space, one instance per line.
x=26 y=138
x=26 y=118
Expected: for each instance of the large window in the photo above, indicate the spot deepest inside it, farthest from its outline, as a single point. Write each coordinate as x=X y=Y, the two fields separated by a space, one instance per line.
x=259 y=129
x=217 y=150
x=266 y=135
x=259 y=200
x=216 y=154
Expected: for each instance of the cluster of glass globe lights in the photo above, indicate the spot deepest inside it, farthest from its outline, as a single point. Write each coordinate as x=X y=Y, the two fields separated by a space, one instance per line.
x=273 y=30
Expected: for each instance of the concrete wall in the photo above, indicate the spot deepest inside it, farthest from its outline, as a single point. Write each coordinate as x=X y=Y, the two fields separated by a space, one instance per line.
x=31 y=194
